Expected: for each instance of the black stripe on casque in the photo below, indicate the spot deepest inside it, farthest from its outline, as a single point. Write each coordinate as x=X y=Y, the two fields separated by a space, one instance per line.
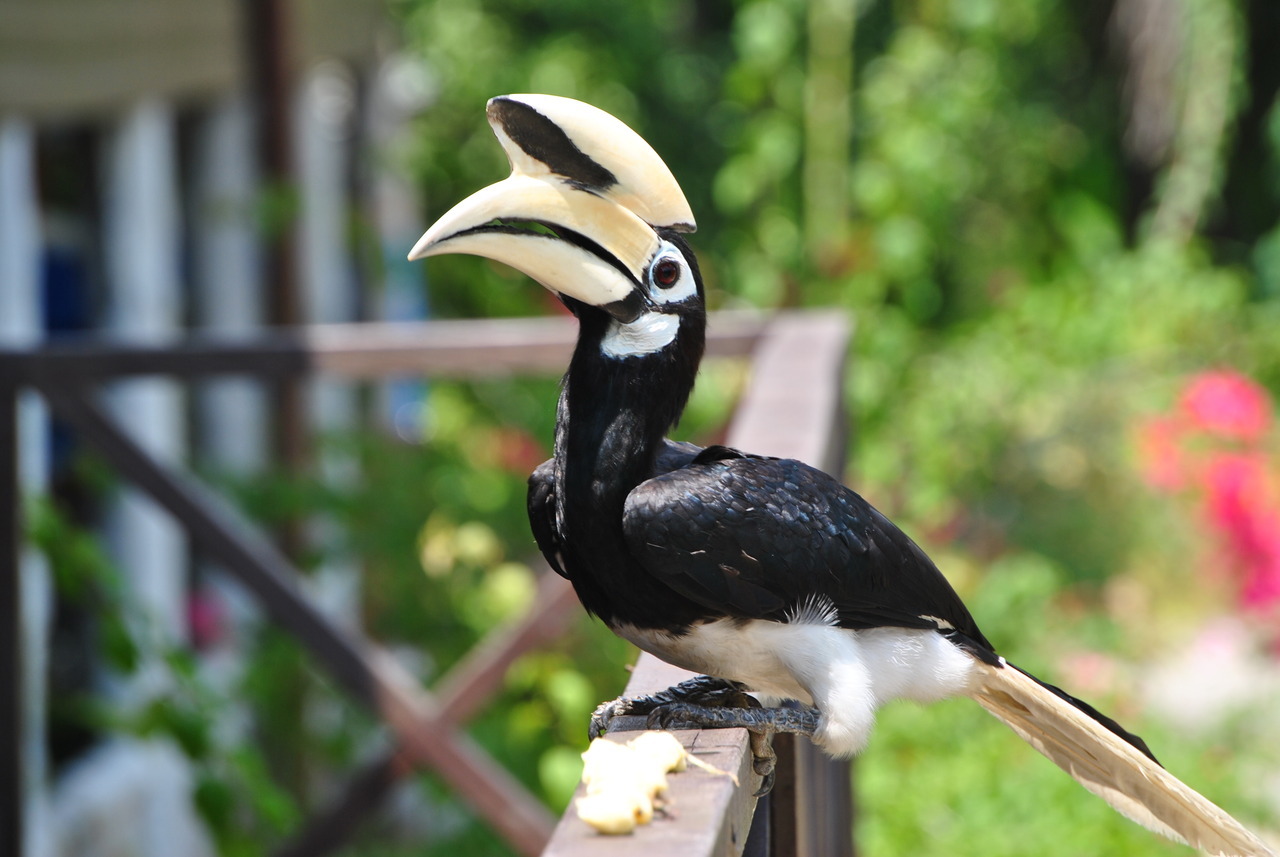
x=545 y=141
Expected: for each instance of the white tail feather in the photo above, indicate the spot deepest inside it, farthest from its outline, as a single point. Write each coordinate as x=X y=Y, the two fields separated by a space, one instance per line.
x=1110 y=767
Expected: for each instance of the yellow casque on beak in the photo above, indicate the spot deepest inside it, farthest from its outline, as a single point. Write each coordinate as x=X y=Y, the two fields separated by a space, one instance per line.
x=599 y=190
x=548 y=134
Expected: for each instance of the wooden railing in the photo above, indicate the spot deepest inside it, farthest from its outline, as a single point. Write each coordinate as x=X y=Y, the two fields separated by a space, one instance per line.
x=792 y=408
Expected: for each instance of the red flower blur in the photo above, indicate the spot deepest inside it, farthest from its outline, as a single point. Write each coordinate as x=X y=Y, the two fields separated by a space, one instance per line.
x=1242 y=504
x=1226 y=404
x=1217 y=446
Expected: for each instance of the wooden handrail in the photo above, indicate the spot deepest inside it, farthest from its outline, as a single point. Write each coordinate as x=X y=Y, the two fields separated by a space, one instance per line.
x=455 y=348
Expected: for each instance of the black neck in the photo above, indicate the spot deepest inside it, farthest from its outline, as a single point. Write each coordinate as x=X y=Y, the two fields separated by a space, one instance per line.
x=612 y=417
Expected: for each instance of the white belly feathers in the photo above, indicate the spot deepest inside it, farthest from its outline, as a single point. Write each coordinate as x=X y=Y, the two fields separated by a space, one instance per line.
x=846 y=674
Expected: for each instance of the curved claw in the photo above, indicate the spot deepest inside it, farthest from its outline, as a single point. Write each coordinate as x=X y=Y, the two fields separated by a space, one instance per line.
x=764 y=760
x=665 y=717
x=604 y=714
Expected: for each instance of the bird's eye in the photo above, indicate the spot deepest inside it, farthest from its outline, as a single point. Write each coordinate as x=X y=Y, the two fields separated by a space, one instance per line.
x=666 y=273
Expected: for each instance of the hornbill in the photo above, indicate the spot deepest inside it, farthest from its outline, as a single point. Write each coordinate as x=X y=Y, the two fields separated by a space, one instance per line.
x=765 y=575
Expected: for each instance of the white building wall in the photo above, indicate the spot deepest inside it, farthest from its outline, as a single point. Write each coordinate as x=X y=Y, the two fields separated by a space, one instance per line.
x=229 y=301
x=322 y=130
x=144 y=302
x=128 y=785
x=228 y=292
x=128 y=798
x=401 y=89
x=145 y=784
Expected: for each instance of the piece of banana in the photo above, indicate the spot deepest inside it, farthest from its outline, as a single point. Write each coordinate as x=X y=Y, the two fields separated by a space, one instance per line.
x=626 y=781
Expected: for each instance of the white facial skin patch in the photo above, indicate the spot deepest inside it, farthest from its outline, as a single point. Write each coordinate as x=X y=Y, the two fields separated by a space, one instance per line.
x=651 y=332
x=669 y=281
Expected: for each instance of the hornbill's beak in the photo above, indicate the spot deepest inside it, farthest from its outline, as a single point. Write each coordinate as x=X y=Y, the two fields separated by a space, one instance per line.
x=580 y=210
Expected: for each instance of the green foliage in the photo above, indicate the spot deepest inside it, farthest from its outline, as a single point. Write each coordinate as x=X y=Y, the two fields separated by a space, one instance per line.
x=962 y=176
x=1027 y=282
x=948 y=778
x=175 y=701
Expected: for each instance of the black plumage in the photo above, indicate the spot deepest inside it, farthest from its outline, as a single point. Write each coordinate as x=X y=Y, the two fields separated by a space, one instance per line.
x=754 y=537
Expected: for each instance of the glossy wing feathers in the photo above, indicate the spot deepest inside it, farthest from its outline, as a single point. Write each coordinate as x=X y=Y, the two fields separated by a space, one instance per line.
x=541 y=498
x=758 y=538
x=541 y=504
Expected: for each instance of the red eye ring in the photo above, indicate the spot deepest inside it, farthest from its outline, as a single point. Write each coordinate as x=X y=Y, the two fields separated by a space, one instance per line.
x=666 y=273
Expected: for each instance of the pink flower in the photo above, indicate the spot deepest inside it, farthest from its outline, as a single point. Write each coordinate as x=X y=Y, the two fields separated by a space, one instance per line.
x=1227 y=404
x=205 y=619
x=1261 y=591
x=1217 y=446
x=1242 y=503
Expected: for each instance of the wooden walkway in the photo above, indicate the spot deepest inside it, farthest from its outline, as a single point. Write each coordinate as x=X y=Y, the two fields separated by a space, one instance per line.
x=792 y=408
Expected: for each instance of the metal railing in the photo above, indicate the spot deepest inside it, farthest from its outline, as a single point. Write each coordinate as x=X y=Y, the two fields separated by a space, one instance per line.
x=792 y=408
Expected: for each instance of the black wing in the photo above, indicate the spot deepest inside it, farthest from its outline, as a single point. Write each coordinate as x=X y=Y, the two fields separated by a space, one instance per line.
x=541 y=503
x=541 y=498
x=767 y=538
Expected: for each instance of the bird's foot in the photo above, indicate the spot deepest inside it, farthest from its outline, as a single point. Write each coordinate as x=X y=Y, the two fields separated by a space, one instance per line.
x=761 y=723
x=705 y=691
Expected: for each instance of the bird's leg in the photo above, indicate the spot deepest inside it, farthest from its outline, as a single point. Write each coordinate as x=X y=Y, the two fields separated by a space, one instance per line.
x=761 y=723
x=704 y=690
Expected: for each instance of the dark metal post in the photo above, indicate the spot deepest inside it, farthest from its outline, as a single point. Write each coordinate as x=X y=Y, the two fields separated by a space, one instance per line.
x=11 y=715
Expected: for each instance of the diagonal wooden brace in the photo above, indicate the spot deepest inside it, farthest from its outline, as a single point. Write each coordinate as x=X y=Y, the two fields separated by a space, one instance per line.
x=371 y=677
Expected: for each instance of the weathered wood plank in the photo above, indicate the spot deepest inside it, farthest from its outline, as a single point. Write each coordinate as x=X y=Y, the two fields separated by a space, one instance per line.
x=793 y=405
x=708 y=814
x=464 y=348
x=483 y=347
x=270 y=357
